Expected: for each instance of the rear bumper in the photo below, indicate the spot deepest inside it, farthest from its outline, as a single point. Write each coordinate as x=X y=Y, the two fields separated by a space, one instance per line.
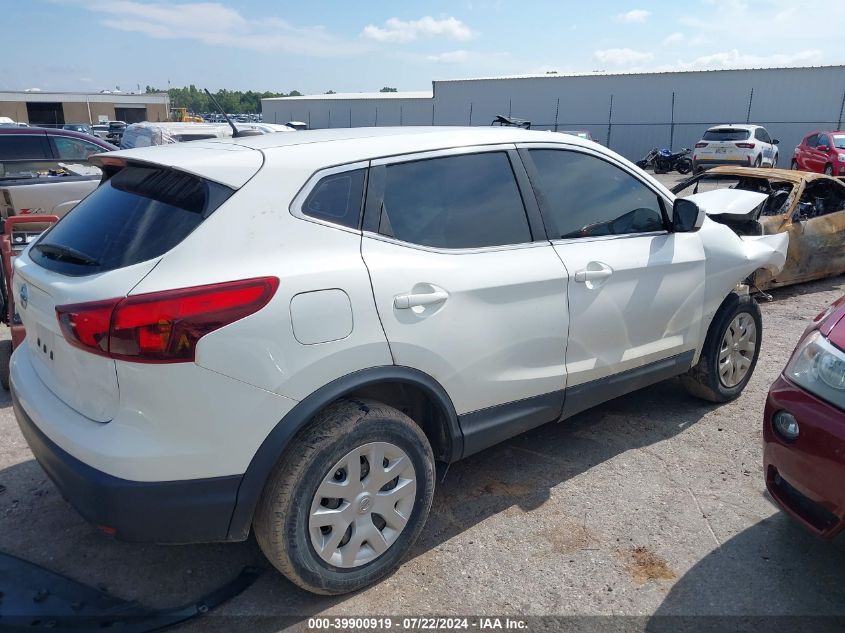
x=712 y=162
x=192 y=511
x=806 y=476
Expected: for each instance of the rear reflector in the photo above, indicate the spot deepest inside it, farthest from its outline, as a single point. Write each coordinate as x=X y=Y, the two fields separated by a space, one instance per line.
x=745 y=145
x=162 y=327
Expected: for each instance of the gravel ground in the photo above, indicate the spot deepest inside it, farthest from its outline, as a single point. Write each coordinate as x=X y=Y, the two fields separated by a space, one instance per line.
x=653 y=503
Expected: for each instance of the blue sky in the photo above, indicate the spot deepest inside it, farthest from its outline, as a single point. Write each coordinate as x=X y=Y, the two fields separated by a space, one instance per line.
x=361 y=46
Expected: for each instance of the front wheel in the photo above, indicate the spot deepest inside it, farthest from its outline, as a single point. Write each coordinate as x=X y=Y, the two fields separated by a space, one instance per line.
x=348 y=499
x=828 y=169
x=730 y=351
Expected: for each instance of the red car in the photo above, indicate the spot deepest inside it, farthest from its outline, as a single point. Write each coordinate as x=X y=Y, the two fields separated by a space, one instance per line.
x=821 y=152
x=804 y=428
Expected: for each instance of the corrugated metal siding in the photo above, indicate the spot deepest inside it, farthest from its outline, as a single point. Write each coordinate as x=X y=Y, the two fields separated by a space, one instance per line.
x=789 y=101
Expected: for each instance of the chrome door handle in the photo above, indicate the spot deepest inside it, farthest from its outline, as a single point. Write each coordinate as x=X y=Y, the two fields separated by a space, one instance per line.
x=587 y=274
x=411 y=300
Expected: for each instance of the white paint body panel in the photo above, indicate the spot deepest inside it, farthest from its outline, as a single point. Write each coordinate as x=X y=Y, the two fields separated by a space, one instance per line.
x=736 y=202
x=500 y=336
x=649 y=308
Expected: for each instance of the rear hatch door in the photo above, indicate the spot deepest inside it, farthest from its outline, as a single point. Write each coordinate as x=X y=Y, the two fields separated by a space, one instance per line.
x=100 y=251
x=722 y=144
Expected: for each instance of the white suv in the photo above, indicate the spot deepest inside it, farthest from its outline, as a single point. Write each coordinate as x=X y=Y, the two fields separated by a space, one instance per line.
x=287 y=332
x=747 y=145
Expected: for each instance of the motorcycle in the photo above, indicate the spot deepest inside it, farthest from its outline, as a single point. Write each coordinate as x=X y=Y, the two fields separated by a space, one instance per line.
x=666 y=161
x=648 y=160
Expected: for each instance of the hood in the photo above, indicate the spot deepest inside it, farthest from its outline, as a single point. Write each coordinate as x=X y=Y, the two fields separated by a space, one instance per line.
x=730 y=204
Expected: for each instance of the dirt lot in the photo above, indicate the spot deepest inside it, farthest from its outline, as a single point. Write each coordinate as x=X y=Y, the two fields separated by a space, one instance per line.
x=651 y=504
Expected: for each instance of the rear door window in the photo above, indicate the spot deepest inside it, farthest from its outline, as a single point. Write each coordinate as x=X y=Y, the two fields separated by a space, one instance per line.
x=465 y=201
x=138 y=214
x=74 y=149
x=24 y=147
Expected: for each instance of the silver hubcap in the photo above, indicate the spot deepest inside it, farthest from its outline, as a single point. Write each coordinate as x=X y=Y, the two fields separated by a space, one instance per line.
x=362 y=504
x=737 y=350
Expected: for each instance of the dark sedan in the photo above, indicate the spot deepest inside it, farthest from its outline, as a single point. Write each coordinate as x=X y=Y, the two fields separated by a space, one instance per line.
x=36 y=143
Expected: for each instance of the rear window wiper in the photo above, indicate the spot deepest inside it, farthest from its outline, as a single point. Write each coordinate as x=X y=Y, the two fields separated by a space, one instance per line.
x=66 y=254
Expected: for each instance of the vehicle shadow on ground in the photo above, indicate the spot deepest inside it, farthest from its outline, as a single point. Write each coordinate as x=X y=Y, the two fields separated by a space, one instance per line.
x=518 y=473
x=790 y=576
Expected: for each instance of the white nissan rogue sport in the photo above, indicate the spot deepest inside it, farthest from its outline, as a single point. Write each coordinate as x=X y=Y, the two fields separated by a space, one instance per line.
x=287 y=332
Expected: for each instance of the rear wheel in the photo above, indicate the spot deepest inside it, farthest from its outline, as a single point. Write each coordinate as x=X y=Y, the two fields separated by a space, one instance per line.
x=794 y=165
x=348 y=499
x=5 y=359
x=828 y=169
x=730 y=351
x=758 y=161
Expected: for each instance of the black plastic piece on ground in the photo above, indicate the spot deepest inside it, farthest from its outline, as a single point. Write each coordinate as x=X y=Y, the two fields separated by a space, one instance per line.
x=33 y=598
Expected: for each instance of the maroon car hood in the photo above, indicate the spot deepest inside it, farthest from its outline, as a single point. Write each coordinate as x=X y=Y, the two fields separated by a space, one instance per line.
x=833 y=327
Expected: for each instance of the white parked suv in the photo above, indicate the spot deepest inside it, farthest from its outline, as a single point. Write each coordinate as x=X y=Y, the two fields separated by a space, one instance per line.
x=747 y=145
x=287 y=332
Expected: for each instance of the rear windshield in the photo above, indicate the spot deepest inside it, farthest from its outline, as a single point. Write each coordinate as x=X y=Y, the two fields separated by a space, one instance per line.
x=138 y=214
x=727 y=134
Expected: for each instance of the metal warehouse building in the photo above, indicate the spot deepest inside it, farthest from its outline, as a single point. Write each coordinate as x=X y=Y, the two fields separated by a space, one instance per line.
x=58 y=108
x=630 y=113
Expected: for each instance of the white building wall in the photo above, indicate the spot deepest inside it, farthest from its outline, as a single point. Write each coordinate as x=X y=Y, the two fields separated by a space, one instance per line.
x=790 y=102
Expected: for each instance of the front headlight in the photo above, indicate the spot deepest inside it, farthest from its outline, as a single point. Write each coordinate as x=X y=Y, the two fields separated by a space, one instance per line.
x=819 y=367
x=841 y=158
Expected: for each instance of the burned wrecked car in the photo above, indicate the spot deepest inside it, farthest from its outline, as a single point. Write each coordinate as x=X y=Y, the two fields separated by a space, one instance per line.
x=752 y=201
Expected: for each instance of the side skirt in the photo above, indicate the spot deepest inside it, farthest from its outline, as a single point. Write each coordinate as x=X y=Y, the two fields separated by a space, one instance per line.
x=486 y=427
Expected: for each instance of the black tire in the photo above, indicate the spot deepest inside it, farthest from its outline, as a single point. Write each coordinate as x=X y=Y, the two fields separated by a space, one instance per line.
x=794 y=165
x=661 y=166
x=5 y=359
x=282 y=518
x=828 y=169
x=703 y=380
x=641 y=164
x=775 y=161
x=758 y=161
x=684 y=166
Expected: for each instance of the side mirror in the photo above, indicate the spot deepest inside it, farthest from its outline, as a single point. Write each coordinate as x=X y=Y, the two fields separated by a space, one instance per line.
x=687 y=216
x=823 y=148
x=775 y=141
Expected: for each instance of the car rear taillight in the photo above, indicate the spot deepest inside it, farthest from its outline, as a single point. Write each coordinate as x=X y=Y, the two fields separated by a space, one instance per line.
x=161 y=327
x=745 y=145
x=701 y=144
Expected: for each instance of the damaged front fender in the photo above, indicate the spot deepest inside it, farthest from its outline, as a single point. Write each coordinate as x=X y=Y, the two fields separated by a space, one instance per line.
x=731 y=259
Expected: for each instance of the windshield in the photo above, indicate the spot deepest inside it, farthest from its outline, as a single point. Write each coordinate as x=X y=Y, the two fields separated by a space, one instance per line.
x=138 y=214
x=726 y=134
x=839 y=141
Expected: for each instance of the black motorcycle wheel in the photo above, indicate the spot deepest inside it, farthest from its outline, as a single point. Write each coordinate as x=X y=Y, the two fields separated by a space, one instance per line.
x=684 y=166
x=641 y=164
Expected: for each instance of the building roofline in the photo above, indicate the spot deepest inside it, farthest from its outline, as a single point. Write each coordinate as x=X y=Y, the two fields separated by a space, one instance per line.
x=349 y=96
x=637 y=73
